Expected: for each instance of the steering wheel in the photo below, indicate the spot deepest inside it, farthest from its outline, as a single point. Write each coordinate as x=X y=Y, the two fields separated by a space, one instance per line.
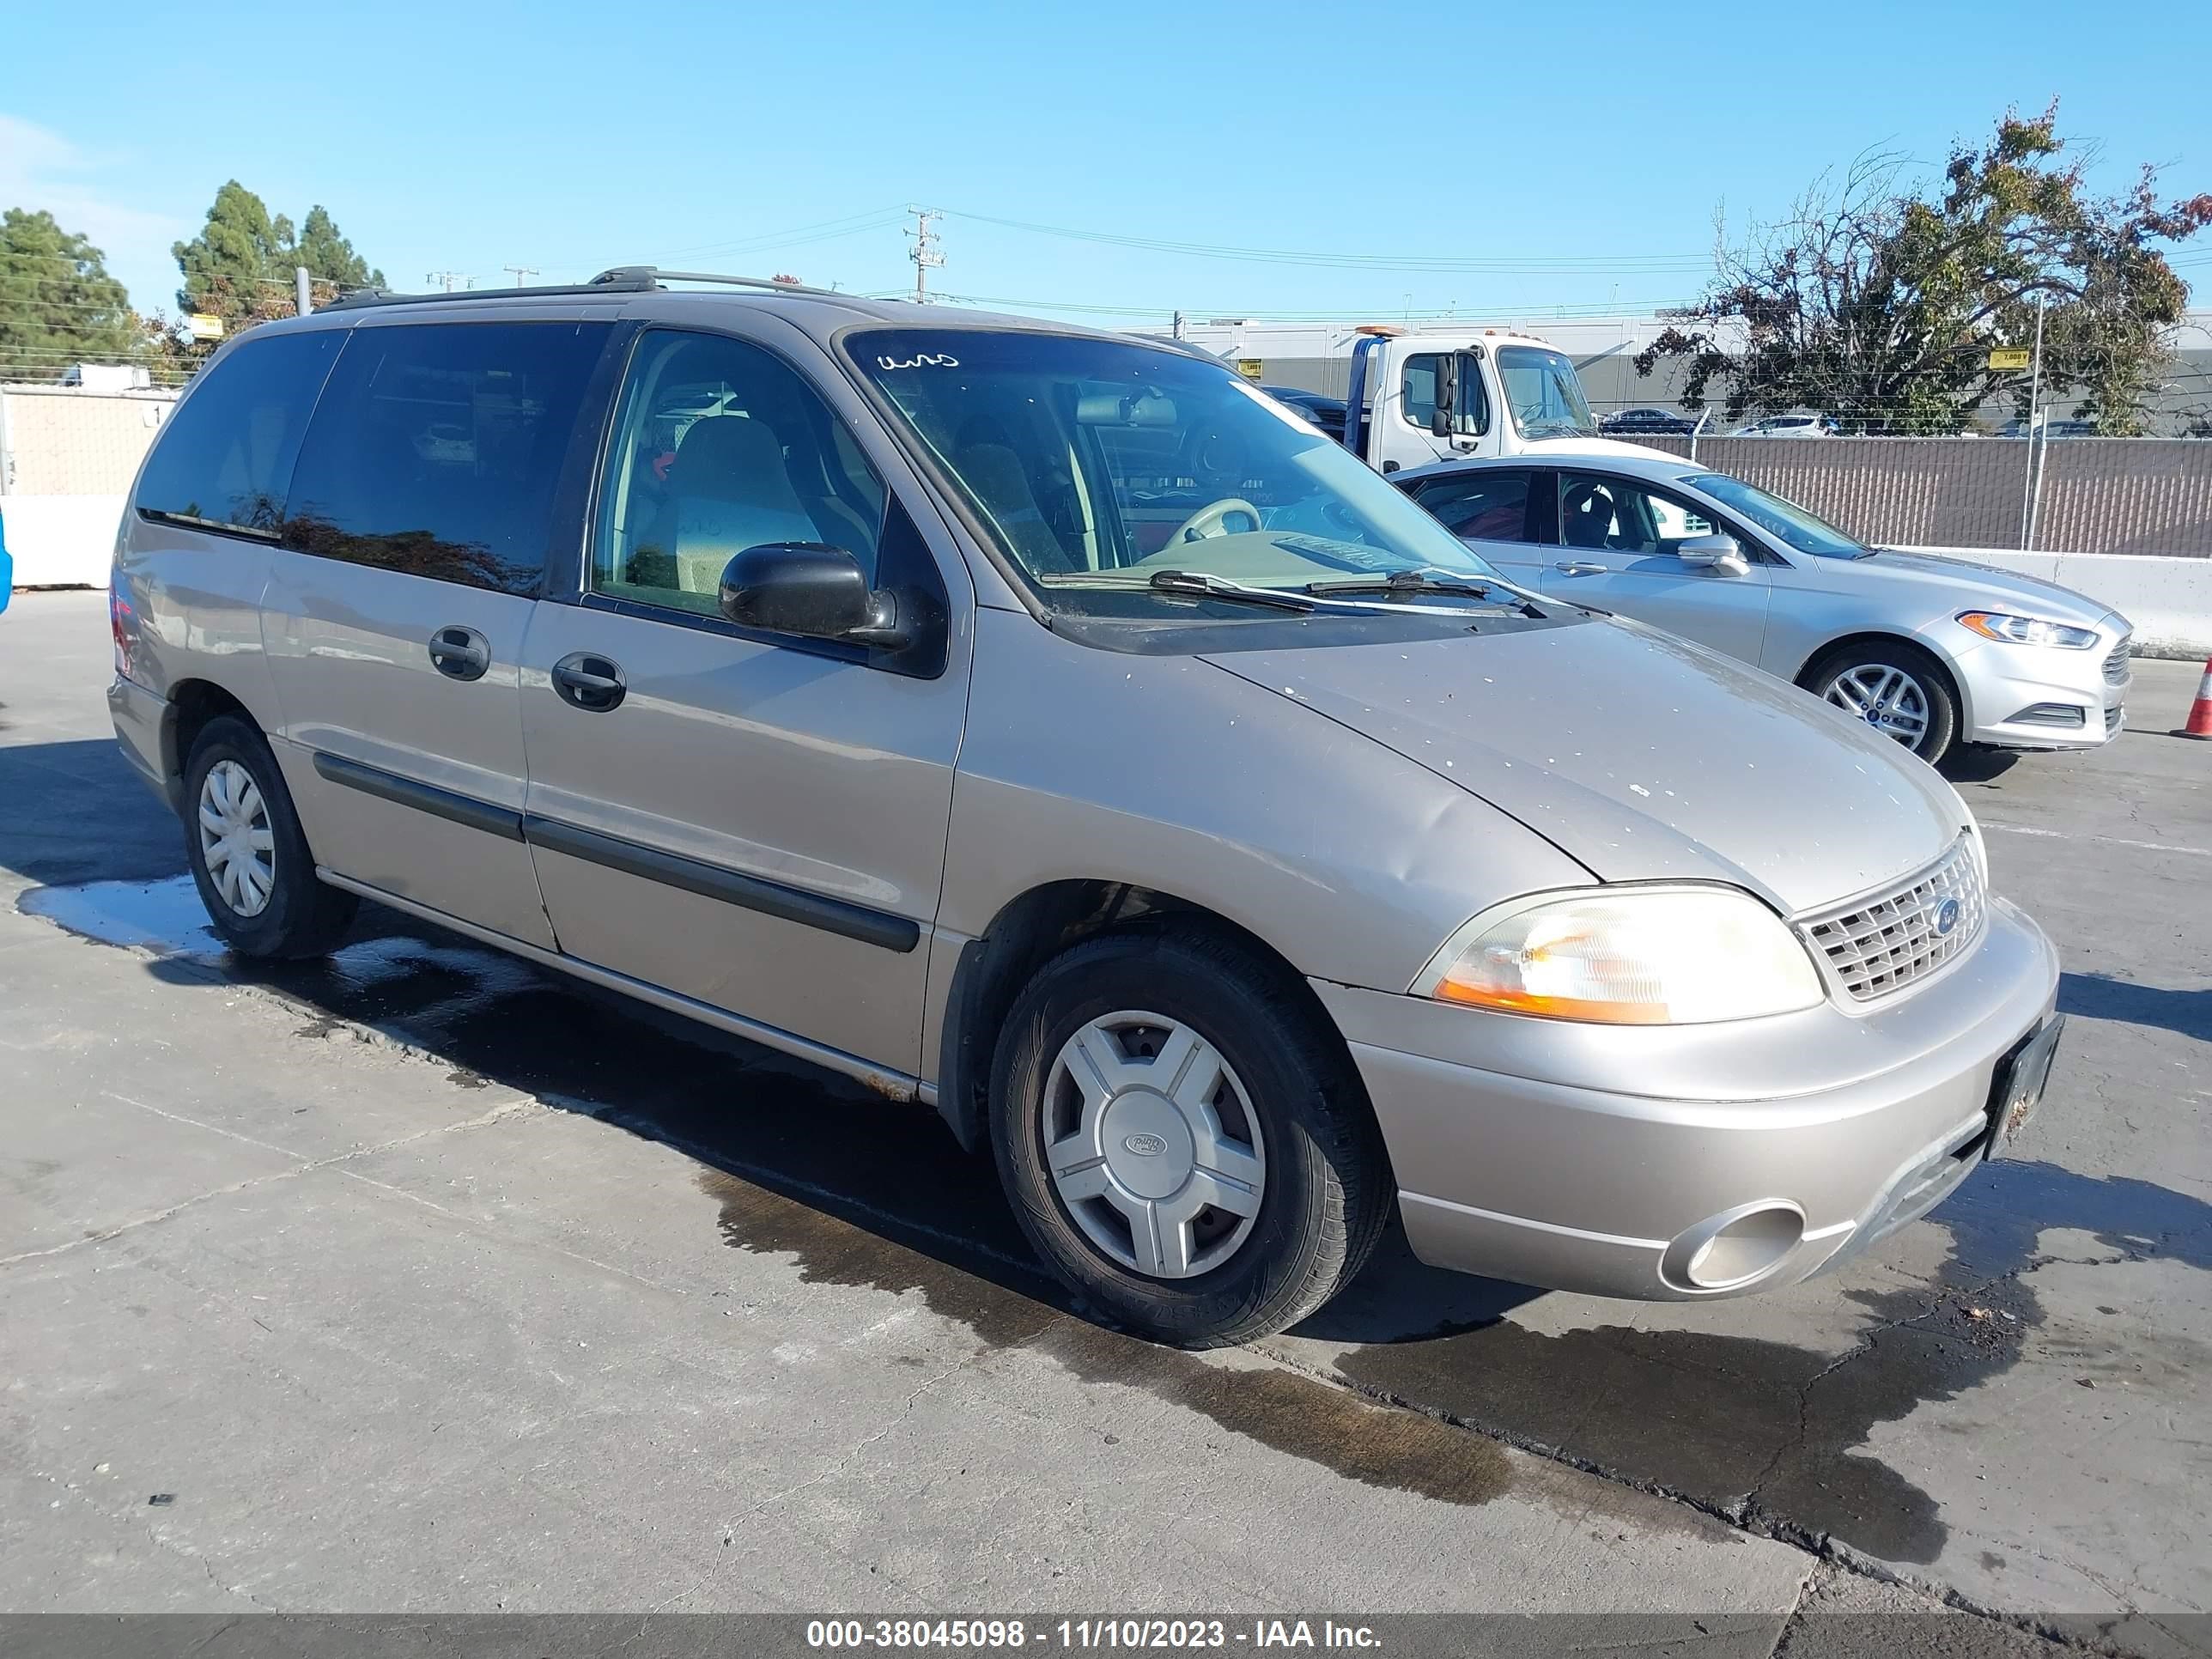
x=1212 y=519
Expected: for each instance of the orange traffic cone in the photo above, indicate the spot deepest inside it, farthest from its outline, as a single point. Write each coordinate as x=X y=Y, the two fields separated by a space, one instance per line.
x=2200 y=712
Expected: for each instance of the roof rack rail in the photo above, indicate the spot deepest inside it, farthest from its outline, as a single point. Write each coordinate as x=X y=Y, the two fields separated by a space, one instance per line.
x=620 y=279
x=651 y=275
x=633 y=280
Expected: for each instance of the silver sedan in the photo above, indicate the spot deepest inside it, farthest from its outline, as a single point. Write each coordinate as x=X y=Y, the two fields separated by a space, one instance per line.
x=1933 y=652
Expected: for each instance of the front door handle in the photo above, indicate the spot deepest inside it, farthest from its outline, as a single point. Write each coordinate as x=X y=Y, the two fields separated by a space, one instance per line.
x=460 y=654
x=1578 y=567
x=589 y=681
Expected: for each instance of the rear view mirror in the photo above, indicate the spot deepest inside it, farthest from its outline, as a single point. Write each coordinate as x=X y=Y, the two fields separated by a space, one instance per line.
x=1443 y=418
x=810 y=589
x=1719 y=554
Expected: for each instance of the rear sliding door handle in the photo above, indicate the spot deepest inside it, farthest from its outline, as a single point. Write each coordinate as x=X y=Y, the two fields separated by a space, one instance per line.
x=460 y=654
x=1578 y=567
x=587 y=681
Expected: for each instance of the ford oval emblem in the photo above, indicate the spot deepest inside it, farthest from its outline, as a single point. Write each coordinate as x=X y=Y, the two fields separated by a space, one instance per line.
x=1146 y=1145
x=1946 y=916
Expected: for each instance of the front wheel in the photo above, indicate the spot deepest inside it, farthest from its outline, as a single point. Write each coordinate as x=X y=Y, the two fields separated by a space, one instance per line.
x=248 y=854
x=1895 y=688
x=1179 y=1140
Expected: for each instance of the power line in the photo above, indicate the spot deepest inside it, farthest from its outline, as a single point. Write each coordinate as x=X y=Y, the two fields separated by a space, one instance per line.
x=521 y=271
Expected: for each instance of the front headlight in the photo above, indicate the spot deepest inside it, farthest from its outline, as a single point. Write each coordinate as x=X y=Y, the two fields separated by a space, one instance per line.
x=1627 y=956
x=2027 y=631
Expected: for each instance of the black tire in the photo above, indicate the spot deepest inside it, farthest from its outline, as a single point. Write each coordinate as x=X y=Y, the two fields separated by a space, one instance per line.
x=1942 y=726
x=1327 y=1187
x=302 y=916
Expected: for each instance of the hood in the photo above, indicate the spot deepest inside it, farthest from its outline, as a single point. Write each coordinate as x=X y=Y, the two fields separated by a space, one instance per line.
x=1642 y=757
x=1960 y=584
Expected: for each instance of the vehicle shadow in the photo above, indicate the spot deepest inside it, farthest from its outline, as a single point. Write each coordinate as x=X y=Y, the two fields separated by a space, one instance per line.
x=2097 y=997
x=1972 y=763
x=75 y=811
x=890 y=1169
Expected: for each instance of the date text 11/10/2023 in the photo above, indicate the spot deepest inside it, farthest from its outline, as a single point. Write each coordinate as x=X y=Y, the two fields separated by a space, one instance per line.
x=989 y=1635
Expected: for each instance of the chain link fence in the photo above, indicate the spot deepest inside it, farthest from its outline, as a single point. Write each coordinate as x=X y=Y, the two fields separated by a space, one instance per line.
x=2148 y=495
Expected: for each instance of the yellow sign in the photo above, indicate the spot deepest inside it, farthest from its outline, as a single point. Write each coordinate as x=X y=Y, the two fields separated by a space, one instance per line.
x=1248 y=368
x=2009 y=357
x=204 y=326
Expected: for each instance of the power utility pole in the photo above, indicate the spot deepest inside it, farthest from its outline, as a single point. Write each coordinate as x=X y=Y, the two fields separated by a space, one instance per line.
x=521 y=271
x=447 y=279
x=926 y=253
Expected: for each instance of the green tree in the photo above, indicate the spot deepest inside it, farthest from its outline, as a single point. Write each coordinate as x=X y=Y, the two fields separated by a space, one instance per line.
x=329 y=256
x=226 y=266
x=57 y=304
x=1878 y=301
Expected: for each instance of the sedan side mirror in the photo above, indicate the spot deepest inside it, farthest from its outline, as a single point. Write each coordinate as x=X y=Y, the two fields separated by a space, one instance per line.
x=811 y=589
x=1719 y=554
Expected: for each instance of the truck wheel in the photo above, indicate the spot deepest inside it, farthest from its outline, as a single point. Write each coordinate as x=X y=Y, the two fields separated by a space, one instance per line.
x=1179 y=1140
x=1895 y=688
x=248 y=857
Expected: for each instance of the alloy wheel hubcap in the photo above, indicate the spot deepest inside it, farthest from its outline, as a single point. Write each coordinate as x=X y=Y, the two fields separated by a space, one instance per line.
x=236 y=842
x=1152 y=1144
x=1887 y=698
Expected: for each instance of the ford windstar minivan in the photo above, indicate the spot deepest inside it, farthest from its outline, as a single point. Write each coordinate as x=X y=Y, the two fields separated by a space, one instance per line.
x=1052 y=728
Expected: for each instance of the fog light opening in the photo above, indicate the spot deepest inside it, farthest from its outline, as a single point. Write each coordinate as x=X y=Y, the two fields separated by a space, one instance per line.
x=1735 y=1248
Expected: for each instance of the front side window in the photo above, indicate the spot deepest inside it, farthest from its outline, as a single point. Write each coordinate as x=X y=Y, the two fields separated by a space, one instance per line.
x=1098 y=465
x=1785 y=521
x=1600 y=513
x=1418 y=388
x=1545 y=393
x=225 y=460
x=1479 y=505
x=437 y=447
x=719 y=446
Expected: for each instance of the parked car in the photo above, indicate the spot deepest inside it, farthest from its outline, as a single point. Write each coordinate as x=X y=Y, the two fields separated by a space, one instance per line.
x=1323 y=410
x=1931 y=651
x=1790 y=426
x=1632 y=422
x=2049 y=429
x=1049 y=727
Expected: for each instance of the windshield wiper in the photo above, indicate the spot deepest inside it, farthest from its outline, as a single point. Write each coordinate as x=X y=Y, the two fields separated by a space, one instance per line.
x=1409 y=583
x=1198 y=585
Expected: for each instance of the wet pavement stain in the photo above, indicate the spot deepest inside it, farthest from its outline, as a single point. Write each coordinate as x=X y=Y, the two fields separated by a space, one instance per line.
x=1299 y=1415
x=1765 y=1432
x=1760 y=1432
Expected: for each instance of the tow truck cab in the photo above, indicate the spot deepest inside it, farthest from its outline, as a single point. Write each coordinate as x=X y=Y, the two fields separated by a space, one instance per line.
x=1435 y=396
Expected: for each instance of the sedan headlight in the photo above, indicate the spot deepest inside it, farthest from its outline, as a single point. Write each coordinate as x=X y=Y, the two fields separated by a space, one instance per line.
x=1628 y=955
x=2027 y=631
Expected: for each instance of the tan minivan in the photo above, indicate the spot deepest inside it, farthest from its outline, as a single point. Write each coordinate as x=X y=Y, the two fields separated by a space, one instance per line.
x=1048 y=726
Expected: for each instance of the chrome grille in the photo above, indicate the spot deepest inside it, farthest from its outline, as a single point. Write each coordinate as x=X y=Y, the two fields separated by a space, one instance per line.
x=1883 y=945
x=2116 y=662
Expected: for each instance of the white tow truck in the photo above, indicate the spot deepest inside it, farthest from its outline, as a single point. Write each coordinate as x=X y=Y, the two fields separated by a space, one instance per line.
x=1437 y=393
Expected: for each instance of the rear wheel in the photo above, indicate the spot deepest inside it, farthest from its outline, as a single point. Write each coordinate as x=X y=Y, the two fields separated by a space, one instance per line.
x=1897 y=688
x=1180 y=1143
x=248 y=855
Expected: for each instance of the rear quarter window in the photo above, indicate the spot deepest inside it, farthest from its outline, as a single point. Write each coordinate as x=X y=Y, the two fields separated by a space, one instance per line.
x=437 y=449
x=226 y=457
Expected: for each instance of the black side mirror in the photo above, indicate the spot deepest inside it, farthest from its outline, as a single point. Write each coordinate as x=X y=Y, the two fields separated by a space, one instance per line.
x=812 y=590
x=1443 y=420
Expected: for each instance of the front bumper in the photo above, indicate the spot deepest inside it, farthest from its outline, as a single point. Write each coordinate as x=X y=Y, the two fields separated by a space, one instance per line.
x=1596 y=1159
x=2038 y=697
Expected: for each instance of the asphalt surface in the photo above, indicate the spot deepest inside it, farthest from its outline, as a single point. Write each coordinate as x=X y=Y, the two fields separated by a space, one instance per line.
x=419 y=1279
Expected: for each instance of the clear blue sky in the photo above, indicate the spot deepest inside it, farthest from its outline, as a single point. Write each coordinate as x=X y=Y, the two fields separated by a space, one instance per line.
x=1587 y=144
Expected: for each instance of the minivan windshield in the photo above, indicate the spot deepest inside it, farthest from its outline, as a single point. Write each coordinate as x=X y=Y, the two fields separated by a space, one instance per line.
x=1545 y=393
x=1785 y=521
x=1109 y=472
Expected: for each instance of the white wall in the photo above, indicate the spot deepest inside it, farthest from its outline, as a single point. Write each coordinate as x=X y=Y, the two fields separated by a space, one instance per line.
x=60 y=541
